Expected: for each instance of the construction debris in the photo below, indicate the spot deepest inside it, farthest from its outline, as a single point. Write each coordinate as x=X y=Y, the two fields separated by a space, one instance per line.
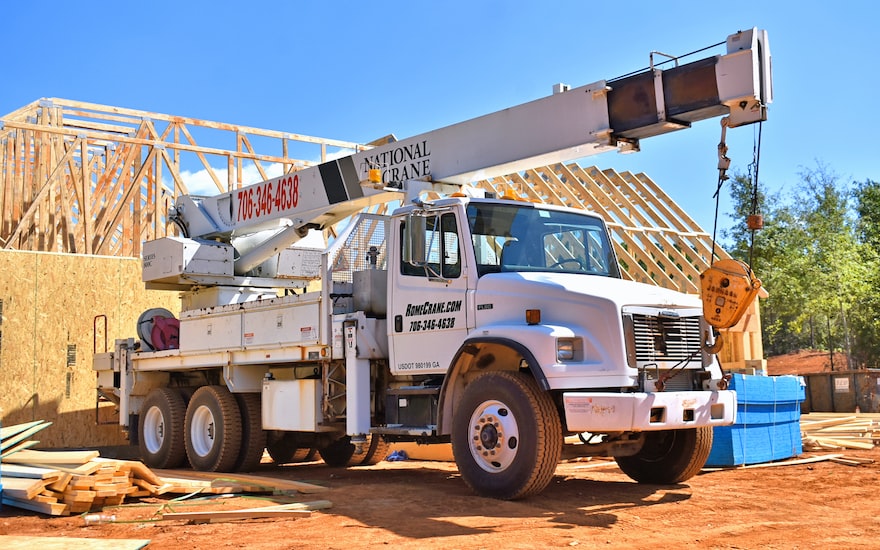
x=296 y=509
x=834 y=431
x=60 y=483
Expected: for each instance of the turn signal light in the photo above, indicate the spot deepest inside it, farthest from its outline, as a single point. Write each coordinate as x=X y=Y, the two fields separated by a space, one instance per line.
x=533 y=316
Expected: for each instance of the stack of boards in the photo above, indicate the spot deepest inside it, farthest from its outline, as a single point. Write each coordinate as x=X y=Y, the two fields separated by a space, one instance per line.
x=66 y=482
x=828 y=431
x=61 y=483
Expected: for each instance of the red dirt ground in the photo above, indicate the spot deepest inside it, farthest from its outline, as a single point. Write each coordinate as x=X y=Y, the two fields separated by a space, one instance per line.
x=804 y=362
x=426 y=505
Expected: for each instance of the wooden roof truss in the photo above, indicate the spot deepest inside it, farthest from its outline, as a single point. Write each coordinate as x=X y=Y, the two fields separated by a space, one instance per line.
x=93 y=179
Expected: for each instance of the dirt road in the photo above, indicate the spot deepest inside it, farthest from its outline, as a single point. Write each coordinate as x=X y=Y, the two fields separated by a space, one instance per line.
x=426 y=505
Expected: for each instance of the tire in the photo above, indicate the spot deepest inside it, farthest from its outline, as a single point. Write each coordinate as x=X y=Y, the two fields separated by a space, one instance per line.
x=253 y=438
x=376 y=452
x=160 y=429
x=282 y=446
x=339 y=453
x=669 y=456
x=213 y=430
x=304 y=454
x=506 y=436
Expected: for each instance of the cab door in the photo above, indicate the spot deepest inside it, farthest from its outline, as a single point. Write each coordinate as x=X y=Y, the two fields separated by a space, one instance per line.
x=428 y=313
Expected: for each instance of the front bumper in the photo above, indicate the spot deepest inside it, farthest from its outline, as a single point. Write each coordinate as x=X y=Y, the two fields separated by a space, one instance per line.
x=615 y=412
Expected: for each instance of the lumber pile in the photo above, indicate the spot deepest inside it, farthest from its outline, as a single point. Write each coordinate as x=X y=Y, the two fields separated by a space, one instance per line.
x=61 y=483
x=832 y=431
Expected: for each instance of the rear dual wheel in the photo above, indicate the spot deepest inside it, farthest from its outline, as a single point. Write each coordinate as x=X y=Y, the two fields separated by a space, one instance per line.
x=253 y=437
x=160 y=429
x=213 y=430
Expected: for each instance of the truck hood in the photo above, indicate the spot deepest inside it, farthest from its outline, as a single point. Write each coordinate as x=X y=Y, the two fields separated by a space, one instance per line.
x=544 y=285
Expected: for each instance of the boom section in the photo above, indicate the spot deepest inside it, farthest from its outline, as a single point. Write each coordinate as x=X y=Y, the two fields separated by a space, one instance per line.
x=571 y=124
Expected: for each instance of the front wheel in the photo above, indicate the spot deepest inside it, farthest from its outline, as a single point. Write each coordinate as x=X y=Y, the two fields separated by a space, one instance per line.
x=669 y=456
x=506 y=436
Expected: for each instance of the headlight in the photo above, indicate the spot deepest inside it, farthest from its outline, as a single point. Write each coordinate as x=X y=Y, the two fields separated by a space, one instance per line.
x=565 y=349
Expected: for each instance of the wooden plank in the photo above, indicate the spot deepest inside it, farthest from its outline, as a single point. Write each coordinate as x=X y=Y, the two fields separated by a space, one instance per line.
x=138 y=469
x=795 y=462
x=57 y=509
x=80 y=470
x=844 y=444
x=46 y=499
x=847 y=461
x=227 y=515
x=24 y=434
x=79 y=495
x=808 y=424
x=280 y=510
x=9 y=431
x=61 y=484
x=23 y=542
x=279 y=484
x=52 y=457
x=31 y=472
x=23 y=488
x=215 y=486
x=312 y=505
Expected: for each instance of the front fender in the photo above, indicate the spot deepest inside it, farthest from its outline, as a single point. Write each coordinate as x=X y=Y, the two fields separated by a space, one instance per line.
x=499 y=348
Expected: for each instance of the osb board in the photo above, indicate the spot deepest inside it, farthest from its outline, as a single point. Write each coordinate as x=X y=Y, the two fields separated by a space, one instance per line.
x=50 y=303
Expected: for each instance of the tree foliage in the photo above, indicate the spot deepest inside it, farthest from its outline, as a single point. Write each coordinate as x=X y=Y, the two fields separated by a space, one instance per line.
x=817 y=258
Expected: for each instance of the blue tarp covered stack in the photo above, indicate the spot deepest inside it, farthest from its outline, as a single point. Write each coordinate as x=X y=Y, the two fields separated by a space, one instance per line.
x=767 y=426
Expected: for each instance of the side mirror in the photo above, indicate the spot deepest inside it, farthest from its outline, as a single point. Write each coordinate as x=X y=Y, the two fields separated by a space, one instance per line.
x=414 y=246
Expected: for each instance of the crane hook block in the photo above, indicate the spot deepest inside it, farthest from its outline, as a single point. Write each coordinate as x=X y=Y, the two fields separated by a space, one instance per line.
x=728 y=288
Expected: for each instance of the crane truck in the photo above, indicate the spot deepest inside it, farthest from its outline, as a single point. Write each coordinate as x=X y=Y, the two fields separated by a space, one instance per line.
x=498 y=325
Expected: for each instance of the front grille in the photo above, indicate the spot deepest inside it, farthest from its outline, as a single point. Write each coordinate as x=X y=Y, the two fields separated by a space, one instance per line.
x=666 y=338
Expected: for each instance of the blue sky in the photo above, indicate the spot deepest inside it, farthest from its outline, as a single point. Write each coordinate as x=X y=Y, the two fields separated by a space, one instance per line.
x=360 y=70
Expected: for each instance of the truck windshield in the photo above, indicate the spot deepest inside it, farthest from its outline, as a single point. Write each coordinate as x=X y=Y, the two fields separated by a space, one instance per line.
x=525 y=237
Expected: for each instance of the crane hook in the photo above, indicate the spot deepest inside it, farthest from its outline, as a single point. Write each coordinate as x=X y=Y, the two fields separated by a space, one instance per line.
x=715 y=346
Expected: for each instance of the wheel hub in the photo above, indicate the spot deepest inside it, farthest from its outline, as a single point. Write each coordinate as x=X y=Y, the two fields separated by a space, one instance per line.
x=202 y=434
x=489 y=436
x=495 y=436
x=154 y=429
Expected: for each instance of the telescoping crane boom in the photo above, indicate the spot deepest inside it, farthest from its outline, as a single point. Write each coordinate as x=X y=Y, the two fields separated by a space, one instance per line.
x=576 y=123
x=497 y=325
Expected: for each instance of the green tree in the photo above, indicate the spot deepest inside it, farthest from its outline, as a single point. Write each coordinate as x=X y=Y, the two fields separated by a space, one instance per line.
x=810 y=261
x=866 y=316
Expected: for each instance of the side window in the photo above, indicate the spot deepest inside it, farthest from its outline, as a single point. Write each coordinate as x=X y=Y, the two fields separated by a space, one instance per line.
x=451 y=261
x=444 y=252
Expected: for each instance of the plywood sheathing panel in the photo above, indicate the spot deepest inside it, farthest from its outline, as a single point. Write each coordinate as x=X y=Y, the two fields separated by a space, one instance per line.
x=50 y=302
